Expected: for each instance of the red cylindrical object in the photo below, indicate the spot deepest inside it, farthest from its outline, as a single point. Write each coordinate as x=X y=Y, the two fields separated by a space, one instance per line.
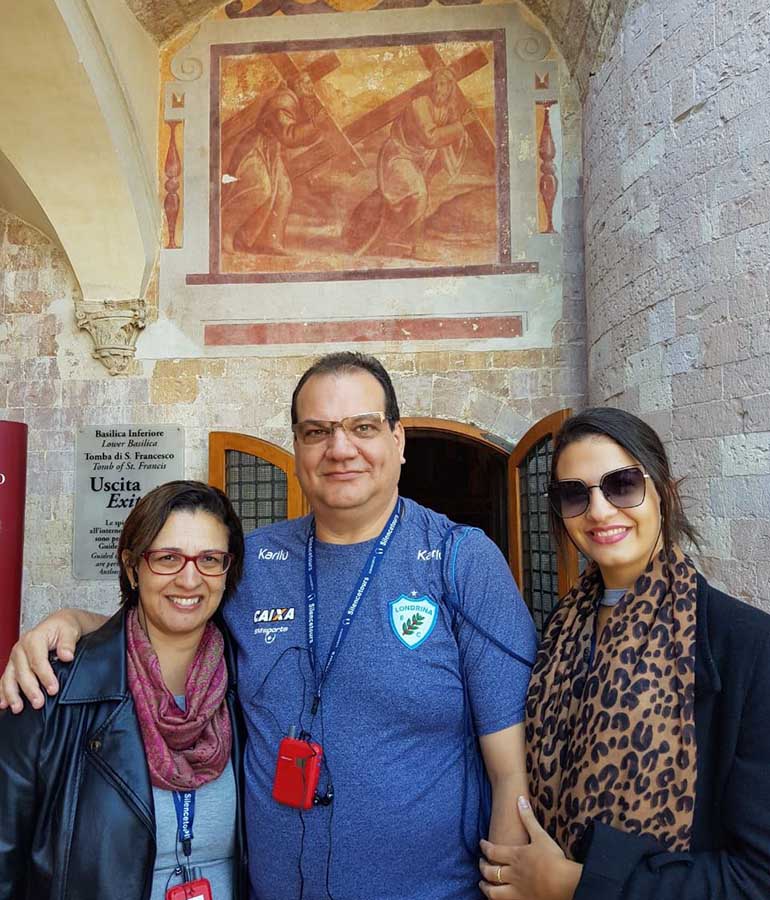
x=13 y=488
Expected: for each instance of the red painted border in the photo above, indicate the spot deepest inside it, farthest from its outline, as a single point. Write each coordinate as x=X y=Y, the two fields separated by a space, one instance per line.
x=495 y=36
x=503 y=156
x=362 y=330
x=215 y=153
x=517 y=268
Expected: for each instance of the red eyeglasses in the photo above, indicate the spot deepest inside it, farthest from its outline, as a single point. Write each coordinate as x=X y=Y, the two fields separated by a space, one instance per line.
x=170 y=562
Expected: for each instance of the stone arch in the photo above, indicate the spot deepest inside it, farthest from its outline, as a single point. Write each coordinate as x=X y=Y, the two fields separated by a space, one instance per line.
x=17 y=199
x=581 y=29
x=70 y=134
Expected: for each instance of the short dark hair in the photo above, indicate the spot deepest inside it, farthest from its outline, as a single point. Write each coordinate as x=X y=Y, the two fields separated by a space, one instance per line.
x=150 y=514
x=348 y=361
x=642 y=442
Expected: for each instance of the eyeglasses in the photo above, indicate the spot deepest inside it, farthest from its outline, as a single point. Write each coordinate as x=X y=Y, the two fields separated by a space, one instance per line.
x=363 y=427
x=170 y=562
x=623 y=488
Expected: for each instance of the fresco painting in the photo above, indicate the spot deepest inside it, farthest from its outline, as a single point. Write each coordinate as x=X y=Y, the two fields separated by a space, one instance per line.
x=318 y=153
x=360 y=154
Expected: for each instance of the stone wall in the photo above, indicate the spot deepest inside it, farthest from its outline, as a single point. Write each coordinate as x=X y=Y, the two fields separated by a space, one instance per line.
x=49 y=380
x=677 y=212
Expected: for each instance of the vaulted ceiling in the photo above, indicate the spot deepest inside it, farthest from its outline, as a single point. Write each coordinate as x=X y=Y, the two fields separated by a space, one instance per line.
x=582 y=29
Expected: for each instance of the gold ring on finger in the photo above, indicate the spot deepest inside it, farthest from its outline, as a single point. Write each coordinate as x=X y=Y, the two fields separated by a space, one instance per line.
x=499 y=875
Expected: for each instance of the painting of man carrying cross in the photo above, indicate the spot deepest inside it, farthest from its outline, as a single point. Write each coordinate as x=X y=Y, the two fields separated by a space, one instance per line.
x=428 y=136
x=362 y=154
x=257 y=201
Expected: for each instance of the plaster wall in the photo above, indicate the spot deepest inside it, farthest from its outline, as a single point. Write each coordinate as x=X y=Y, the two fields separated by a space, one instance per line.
x=677 y=217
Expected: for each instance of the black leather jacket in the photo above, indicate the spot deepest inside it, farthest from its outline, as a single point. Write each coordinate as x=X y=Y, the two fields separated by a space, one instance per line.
x=76 y=809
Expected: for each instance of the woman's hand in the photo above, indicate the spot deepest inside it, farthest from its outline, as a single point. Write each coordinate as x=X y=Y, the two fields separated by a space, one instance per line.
x=538 y=871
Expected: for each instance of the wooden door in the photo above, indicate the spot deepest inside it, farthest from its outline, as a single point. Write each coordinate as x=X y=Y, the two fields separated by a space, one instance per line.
x=542 y=577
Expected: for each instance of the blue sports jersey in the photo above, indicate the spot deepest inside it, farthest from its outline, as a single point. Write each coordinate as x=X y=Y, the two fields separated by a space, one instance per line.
x=391 y=717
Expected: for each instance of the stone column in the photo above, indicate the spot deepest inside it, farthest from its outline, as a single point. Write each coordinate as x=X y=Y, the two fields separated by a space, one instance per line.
x=677 y=215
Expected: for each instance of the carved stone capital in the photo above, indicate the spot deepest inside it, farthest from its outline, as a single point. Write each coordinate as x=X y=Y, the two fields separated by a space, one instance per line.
x=114 y=326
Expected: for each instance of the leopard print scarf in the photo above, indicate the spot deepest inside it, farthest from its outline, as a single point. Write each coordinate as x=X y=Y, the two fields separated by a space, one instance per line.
x=615 y=741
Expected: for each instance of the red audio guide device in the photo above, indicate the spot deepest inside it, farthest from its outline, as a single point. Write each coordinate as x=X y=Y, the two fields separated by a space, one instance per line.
x=200 y=889
x=297 y=771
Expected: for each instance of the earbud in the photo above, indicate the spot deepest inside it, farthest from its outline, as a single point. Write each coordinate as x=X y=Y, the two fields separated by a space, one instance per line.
x=326 y=800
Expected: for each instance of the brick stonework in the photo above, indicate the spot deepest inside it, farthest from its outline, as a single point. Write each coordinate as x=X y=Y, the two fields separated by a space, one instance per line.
x=677 y=211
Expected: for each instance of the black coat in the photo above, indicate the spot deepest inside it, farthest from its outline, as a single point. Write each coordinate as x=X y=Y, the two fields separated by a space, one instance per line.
x=76 y=808
x=730 y=851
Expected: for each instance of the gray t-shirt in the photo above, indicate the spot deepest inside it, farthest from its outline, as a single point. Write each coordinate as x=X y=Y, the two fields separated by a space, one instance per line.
x=613 y=596
x=213 y=845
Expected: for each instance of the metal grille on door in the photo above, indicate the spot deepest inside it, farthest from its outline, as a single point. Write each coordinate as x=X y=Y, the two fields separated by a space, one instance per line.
x=257 y=489
x=540 y=586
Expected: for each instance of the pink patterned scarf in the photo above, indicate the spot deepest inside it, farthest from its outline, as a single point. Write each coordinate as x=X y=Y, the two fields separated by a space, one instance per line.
x=185 y=748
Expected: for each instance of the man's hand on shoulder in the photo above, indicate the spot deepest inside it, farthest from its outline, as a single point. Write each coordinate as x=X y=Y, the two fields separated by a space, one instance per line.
x=28 y=671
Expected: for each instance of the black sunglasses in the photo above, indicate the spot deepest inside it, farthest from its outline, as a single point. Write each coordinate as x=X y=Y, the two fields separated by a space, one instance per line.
x=623 y=488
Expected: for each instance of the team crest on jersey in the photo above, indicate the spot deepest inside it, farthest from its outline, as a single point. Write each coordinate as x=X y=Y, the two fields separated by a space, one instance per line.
x=412 y=619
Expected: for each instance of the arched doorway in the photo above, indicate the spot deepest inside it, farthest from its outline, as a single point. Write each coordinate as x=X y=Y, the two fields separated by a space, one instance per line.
x=454 y=469
x=474 y=478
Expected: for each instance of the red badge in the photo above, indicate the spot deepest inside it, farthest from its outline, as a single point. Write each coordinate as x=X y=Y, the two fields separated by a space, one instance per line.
x=200 y=889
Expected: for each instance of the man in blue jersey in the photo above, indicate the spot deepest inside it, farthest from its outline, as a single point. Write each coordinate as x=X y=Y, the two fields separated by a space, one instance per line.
x=366 y=628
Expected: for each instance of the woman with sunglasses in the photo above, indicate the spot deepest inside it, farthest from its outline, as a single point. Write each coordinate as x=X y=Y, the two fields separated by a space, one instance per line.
x=126 y=785
x=648 y=744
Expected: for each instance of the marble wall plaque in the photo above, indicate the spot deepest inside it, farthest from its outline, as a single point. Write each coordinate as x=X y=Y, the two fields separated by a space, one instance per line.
x=115 y=465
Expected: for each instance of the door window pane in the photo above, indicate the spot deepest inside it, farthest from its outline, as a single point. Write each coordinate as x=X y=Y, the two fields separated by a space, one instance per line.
x=539 y=564
x=258 y=489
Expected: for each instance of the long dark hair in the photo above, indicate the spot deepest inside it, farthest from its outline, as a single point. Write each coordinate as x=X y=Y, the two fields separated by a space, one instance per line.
x=150 y=514
x=642 y=442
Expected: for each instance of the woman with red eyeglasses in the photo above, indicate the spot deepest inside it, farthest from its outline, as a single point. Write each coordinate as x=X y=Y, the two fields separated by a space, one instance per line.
x=126 y=784
x=647 y=735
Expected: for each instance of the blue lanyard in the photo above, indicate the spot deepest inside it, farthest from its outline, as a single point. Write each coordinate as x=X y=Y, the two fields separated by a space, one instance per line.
x=358 y=594
x=184 y=804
